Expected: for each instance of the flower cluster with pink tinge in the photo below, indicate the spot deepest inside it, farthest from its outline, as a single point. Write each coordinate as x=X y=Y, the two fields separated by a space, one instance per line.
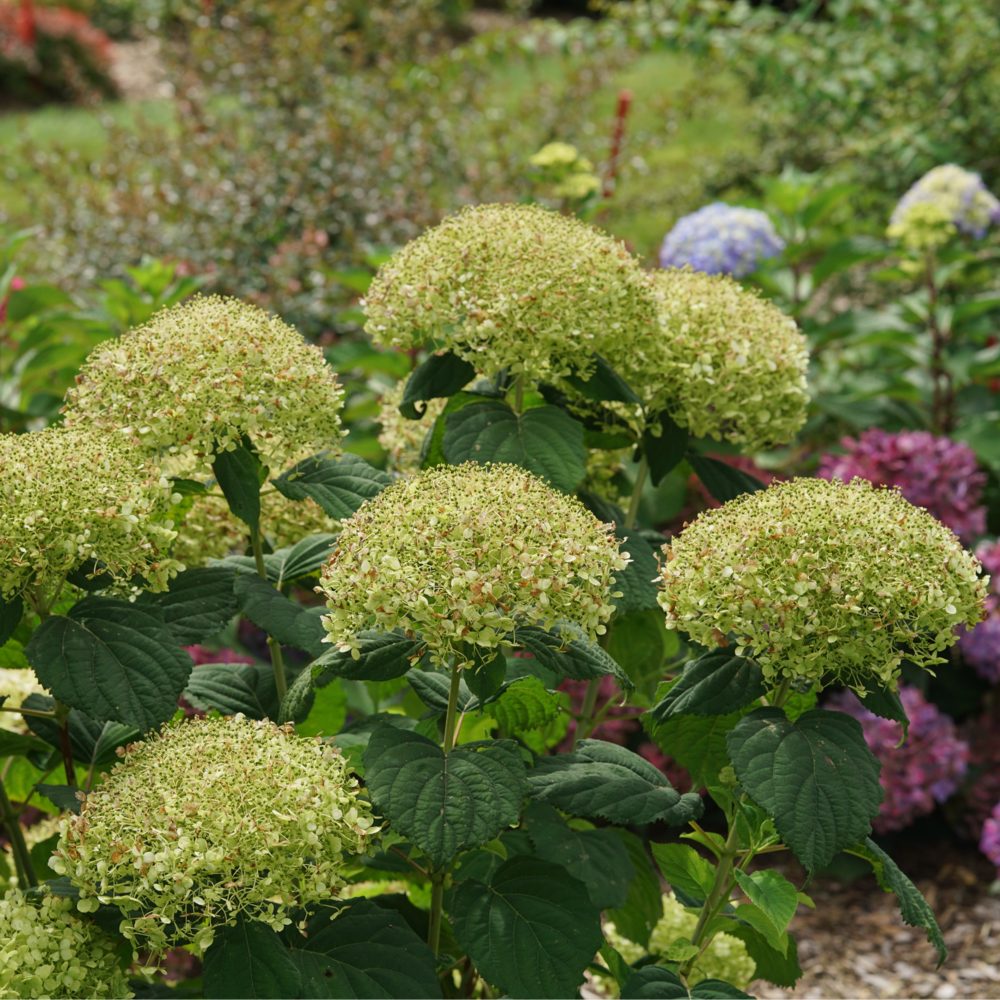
x=989 y=843
x=923 y=771
x=933 y=472
x=981 y=647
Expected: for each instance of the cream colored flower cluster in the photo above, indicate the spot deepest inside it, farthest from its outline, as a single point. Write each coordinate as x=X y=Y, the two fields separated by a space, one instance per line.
x=48 y=951
x=198 y=377
x=403 y=438
x=16 y=683
x=512 y=285
x=464 y=554
x=819 y=577
x=69 y=495
x=210 y=819
x=724 y=362
x=725 y=958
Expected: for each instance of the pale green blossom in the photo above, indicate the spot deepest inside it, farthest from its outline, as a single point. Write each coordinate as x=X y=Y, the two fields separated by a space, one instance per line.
x=512 y=285
x=71 y=495
x=212 y=819
x=16 y=683
x=200 y=376
x=464 y=554
x=46 y=950
x=817 y=577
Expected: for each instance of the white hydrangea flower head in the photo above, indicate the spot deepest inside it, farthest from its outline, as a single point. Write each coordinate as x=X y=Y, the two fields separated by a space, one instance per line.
x=69 y=495
x=725 y=958
x=211 y=819
x=199 y=376
x=512 y=285
x=724 y=362
x=817 y=576
x=16 y=683
x=47 y=950
x=959 y=196
x=403 y=438
x=465 y=554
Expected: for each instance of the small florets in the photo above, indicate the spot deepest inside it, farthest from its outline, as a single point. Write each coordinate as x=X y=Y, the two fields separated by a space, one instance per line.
x=465 y=554
x=69 y=496
x=46 y=950
x=946 y=196
x=818 y=578
x=198 y=377
x=511 y=285
x=211 y=819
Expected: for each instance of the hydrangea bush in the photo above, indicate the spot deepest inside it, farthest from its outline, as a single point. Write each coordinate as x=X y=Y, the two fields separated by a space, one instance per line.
x=945 y=195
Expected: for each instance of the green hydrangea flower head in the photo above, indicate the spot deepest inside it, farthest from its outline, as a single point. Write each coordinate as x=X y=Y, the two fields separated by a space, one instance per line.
x=512 y=285
x=47 y=950
x=465 y=554
x=724 y=362
x=70 y=495
x=212 y=819
x=199 y=376
x=816 y=576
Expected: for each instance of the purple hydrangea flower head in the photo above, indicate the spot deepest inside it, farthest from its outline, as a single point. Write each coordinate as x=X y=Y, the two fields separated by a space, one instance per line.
x=924 y=771
x=981 y=646
x=721 y=239
x=962 y=195
x=989 y=843
x=932 y=472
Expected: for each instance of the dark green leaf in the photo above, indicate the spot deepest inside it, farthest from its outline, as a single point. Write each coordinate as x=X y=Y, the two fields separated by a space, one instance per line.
x=545 y=440
x=568 y=652
x=339 y=485
x=636 y=581
x=399 y=903
x=772 y=965
x=440 y=375
x=914 y=908
x=300 y=696
x=697 y=743
x=236 y=687
x=531 y=932
x=238 y=475
x=815 y=777
x=368 y=951
x=885 y=704
x=606 y=780
x=487 y=674
x=249 y=960
x=684 y=868
x=11 y=613
x=654 y=982
x=433 y=689
x=597 y=858
x=63 y=796
x=198 y=605
x=284 y=620
x=444 y=804
x=664 y=453
x=525 y=705
x=111 y=660
x=723 y=481
x=18 y=745
x=303 y=558
x=644 y=904
x=93 y=742
x=716 y=683
x=187 y=487
x=383 y=656
x=617 y=963
x=604 y=385
x=772 y=893
x=757 y=919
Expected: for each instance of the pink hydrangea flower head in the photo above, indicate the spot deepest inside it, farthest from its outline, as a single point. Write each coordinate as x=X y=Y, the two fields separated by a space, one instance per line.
x=989 y=843
x=932 y=472
x=981 y=647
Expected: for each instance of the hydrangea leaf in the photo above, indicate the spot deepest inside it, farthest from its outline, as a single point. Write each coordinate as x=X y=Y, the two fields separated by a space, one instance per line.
x=525 y=705
x=697 y=743
x=617 y=963
x=717 y=683
x=636 y=581
x=914 y=908
x=304 y=558
x=724 y=482
x=886 y=704
x=93 y=741
x=444 y=803
x=442 y=374
x=545 y=440
x=11 y=613
x=112 y=660
x=604 y=384
x=654 y=982
x=601 y=779
x=777 y=968
x=684 y=868
x=567 y=652
x=339 y=485
x=382 y=656
x=487 y=675
x=642 y=645
x=62 y=796
x=761 y=922
x=368 y=951
x=597 y=858
x=433 y=688
x=284 y=620
x=643 y=906
x=815 y=777
x=249 y=960
x=238 y=474
x=531 y=932
x=772 y=893
x=236 y=687
x=20 y=745
x=664 y=453
x=198 y=605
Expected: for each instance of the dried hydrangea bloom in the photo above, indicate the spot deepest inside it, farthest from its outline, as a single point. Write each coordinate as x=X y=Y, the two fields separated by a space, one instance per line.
x=464 y=554
x=401 y=437
x=68 y=496
x=818 y=577
x=933 y=472
x=211 y=819
x=46 y=950
x=959 y=197
x=721 y=239
x=512 y=285
x=199 y=376
x=724 y=362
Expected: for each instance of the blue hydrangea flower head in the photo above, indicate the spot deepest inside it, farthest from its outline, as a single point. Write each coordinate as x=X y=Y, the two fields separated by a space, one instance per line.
x=721 y=239
x=960 y=195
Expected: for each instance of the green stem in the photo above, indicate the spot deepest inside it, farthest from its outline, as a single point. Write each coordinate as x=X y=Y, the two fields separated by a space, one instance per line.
x=437 y=904
x=277 y=662
x=779 y=698
x=640 y=481
x=22 y=858
x=36 y=712
x=518 y=394
x=451 y=717
x=585 y=725
x=65 y=746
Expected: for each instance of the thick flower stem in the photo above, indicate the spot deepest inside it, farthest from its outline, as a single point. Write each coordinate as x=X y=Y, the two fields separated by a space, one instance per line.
x=22 y=858
x=437 y=904
x=277 y=662
x=633 y=506
x=66 y=747
x=583 y=725
x=519 y=394
x=451 y=717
